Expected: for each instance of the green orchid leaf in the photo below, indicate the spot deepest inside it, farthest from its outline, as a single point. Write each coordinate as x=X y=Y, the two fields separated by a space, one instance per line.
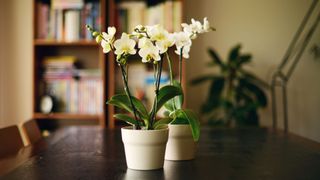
x=179 y=120
x=166 y=93
x=178 y=100
x=169 y=105
x=126 y=118
x=122 y=101
x=162 y=123
x=166 y=113
x=189 y=115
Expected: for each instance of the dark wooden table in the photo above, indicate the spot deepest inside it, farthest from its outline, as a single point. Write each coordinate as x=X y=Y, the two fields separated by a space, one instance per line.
x=94 y=153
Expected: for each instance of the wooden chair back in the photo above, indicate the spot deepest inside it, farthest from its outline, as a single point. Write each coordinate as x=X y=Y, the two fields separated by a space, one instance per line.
x=32 y=131
x=10 y=140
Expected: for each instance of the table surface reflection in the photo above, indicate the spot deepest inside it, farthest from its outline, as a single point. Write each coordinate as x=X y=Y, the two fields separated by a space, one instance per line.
x=251 y=153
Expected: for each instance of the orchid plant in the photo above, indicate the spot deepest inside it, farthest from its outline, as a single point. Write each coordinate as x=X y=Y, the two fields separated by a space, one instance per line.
x=152 y=44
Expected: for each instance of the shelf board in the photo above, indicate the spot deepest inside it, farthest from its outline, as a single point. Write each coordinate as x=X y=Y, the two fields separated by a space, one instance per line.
x=42 y=42
x=66 y=116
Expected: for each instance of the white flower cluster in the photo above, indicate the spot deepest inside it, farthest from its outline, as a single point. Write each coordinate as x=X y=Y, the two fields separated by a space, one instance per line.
x=152 y=41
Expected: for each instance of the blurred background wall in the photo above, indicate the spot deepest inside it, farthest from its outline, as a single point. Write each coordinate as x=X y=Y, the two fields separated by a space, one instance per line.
x=15 y=61
x=265 y=29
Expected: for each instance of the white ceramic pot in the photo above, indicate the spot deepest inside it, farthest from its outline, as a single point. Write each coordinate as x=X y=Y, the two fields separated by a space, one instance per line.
x=181 y=145
x=144 y=149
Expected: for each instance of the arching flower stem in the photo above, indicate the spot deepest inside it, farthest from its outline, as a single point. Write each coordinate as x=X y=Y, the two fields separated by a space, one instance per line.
x=127 y=90
x=180 y=65
x=157 y=86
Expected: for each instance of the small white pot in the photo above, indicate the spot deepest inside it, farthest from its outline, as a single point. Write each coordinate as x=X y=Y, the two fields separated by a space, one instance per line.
x=144 y=149
x=181 y=145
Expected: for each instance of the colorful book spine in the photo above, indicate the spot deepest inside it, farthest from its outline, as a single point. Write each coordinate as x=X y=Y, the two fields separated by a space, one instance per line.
x=65 y=20
x=72 y=25
x=81 y=95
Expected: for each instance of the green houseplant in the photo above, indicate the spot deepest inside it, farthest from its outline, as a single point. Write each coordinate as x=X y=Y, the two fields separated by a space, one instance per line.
x=235 y=95
x=152 y=44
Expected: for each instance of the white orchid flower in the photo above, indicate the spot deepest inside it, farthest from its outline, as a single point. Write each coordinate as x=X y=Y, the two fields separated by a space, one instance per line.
x=107 y=39
x=165 y=43
x=110 y=35
x=163 y=39
x=185 y=51
x=182 y=39
x=196 y=26
x=206 y=25
x=193 y=28
x=150 y=28
x=149 y=53
x=124 y=45
x=187 y=29
x=144 y=43
x=106 y=47
x=157 y=33
x=147 y=50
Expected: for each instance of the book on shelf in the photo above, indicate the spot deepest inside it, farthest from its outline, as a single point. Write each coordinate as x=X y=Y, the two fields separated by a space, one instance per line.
x=67 y=4
x=59 y=25
x=67 y=21
x=176 y=15
x=43 y=17
x=75 y=90
x=71 y=25
x=132 y=13
x=58 y=67
x=156 y=15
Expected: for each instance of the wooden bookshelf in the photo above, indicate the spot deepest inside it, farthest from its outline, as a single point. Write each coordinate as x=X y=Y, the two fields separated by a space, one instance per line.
x=85 y=49
x=66 y=116
x=89 y=52
x=41 y=42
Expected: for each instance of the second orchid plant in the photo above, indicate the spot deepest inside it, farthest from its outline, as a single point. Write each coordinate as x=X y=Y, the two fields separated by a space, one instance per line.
x=152 y=44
